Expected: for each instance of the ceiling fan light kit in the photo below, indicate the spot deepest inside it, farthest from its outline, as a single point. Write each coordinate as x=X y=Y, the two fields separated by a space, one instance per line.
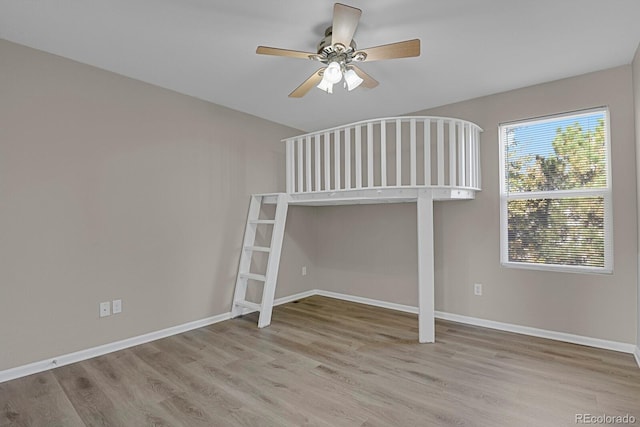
x=333 y=73
x=352 y=80
x=325 y=86
x=337 y=50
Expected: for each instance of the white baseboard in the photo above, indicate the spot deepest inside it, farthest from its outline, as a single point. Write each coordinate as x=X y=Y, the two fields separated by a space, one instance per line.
x=66 y=359
x=284 y=300
x=295 y=297
x=507 y=327
x=368 y=301
x=541 y=333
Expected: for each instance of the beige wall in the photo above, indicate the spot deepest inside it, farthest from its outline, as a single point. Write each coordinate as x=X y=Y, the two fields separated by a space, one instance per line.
x=371 y=251
x=636 y=97
x=112 y=188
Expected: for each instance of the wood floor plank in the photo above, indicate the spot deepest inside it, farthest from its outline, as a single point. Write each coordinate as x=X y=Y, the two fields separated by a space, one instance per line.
x=325 y=362
x=87 y=397
x=36 y=400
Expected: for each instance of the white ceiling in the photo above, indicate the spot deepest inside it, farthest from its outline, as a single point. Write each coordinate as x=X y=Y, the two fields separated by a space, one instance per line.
x=206 y=48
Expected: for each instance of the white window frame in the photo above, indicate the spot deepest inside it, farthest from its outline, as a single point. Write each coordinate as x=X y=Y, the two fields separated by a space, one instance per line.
x=605 y=192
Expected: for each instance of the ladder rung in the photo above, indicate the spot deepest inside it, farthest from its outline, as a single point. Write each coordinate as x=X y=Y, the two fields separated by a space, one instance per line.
x=257 y=248
x=253 y=276
x=262 y=221
x=249 y=305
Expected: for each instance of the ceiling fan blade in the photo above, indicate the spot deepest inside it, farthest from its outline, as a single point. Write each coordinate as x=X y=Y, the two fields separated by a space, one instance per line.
x=369 y=82
x=265 y=50
x=345 y=22
x=306 y=86
x=405 y=49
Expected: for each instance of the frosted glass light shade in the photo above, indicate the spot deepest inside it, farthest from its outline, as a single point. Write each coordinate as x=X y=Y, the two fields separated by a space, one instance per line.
x=333 y=74
x=352 y=80
x=325 y=86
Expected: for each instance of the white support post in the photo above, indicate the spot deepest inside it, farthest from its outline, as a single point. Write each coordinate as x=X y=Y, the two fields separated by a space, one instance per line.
x=316 y=143
x=475 y=160
x=327 y=161
x=462 y=177
x=336 y=160
x=369 y=154
x=383 y=153
x=440 y=152
x=427 y=152
x=472 y=159
x=426 y=313
x=452 y=154
x=358 y=157
x=398 y=153
x=477 y=144
x=289 y=165
x=467 y=150
x=307 y=166
x=347 y=158
x=299 y=188
x=413 y=159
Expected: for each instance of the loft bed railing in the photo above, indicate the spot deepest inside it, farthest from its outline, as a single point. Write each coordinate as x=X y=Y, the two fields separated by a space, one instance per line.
x=393 y=152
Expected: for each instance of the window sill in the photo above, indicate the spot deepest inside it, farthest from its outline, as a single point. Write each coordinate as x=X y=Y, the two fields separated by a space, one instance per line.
x=557 y=268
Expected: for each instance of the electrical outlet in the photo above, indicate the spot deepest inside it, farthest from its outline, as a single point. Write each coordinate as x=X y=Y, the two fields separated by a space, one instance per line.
x=477 y=289
x=304 y=270
x=116 y=306
x=105 y=309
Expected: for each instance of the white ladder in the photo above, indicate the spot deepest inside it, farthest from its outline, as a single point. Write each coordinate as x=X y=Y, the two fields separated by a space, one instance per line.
x=268 y=280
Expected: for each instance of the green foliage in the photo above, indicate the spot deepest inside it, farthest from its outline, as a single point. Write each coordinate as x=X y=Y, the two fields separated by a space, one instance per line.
x=563 y=231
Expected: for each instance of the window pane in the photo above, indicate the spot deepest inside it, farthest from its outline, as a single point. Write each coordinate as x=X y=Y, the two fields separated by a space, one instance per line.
x=560 y=154
x=567 y=231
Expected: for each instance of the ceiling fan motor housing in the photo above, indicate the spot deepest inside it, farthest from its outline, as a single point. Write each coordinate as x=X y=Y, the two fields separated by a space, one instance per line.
x=328 y=53
x=325 y=48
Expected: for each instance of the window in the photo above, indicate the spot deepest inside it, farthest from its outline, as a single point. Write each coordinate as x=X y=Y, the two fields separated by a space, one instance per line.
x=555 y=193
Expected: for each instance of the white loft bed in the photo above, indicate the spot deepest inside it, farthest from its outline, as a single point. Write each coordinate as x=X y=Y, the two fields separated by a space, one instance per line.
x=392 y=160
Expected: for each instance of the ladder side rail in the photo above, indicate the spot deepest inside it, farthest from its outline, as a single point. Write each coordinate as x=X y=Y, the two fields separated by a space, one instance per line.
x=245 y=257
x=274 y=261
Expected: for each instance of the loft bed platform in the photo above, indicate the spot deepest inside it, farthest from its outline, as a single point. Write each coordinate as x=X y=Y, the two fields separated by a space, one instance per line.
x=409 y=159
x=372 y=196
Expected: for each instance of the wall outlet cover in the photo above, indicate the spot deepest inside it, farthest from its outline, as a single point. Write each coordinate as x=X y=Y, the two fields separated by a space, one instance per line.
x=477 y=289
x=105 y=309
x=116 y=306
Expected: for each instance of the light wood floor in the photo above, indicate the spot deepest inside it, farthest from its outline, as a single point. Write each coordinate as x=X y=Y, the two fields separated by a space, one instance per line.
x=325 y=362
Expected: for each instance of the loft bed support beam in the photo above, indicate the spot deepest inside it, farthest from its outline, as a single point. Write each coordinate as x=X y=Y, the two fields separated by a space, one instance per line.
x=426 y=277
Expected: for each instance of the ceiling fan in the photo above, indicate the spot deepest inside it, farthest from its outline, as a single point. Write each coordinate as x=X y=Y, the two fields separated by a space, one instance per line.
x=338 y=51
